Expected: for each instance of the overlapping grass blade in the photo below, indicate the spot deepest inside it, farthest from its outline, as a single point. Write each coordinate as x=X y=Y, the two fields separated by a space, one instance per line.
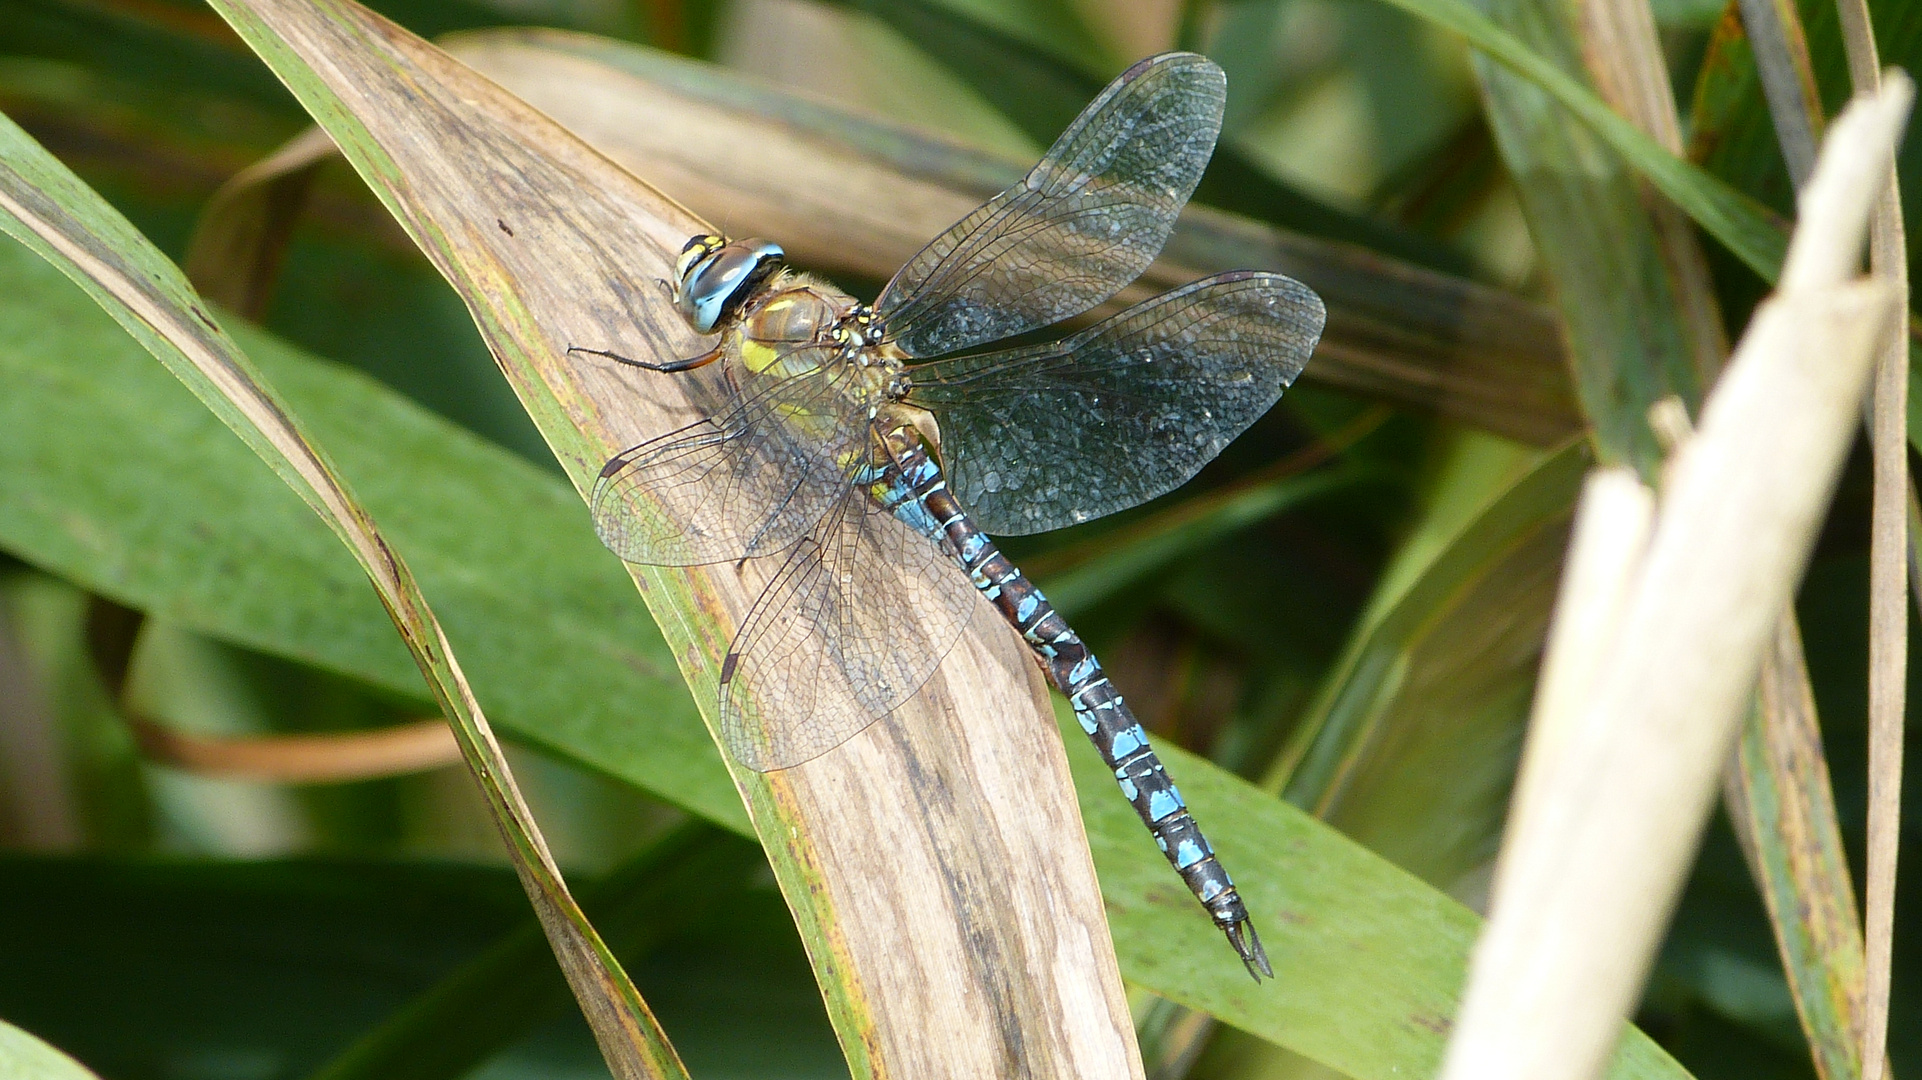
x=1795 y=844
x=1725 y=213
x=1785 y=815
x=1617 y=280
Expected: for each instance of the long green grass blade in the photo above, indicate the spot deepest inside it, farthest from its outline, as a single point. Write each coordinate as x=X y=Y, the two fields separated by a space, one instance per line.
x=54 y=214
x=492 y=1001
x=1724 y=212
x=1051 y=96
x=1616 y=265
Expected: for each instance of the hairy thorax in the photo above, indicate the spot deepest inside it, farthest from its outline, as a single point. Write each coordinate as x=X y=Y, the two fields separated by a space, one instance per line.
x=801 y=327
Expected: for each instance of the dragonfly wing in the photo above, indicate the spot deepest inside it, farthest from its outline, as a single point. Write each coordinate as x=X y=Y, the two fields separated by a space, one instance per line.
x=1079 y=227
x=1048 y=436
x=746 y=482
x=858 y=617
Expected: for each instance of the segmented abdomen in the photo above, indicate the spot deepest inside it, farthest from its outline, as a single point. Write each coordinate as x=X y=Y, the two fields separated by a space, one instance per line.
x=915 y=492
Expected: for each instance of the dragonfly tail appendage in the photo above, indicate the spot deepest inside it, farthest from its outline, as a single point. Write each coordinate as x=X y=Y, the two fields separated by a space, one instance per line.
x=1123 y=744
x=918 y=495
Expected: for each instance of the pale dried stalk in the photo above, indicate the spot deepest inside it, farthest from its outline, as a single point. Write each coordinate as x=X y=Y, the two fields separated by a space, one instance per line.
x=860 y=195
x=332 y=758
x=1591 y=875
x=1612 y=524
x=1888 y=581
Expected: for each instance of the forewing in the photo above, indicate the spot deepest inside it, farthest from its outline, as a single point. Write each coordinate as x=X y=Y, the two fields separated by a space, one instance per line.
x=1045 y=437
x=746 y=482
x=859 y=616
x=1083 y=224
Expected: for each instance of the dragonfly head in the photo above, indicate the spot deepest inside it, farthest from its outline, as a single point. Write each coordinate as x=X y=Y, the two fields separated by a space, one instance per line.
x=714 y=275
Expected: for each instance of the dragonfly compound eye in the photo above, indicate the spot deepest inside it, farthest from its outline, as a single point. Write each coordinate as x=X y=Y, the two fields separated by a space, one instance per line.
x=716 y=276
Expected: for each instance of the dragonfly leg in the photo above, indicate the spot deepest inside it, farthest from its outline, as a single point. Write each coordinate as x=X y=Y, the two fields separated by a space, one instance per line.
x=670 y=366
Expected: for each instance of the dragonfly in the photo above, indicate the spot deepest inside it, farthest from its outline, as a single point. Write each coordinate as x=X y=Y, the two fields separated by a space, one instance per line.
x=873 y=449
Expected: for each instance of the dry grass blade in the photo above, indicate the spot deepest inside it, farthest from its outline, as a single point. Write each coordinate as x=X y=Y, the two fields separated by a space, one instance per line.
x=912 y=834
x=1888 y=574
x=23 y=1057
x=764 y=162
x=113 y=633
x=1783 y=809
x=1624 y=801
x=236 y=250
x=51 y=211
x=1778 y=794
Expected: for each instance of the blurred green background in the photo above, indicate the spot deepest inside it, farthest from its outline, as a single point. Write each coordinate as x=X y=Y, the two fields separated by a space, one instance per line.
x=161 y=924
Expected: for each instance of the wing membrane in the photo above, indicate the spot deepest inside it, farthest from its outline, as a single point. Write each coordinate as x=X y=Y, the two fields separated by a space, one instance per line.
x=1043 y=437
x=1085 y=222
x=858 y=617
x=747 y=482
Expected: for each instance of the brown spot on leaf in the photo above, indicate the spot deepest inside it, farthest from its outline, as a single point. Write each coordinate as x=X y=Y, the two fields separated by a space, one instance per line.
x=1440 y=1025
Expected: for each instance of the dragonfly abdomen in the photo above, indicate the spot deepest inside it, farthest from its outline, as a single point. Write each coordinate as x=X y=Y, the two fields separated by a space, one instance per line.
x=914 y=490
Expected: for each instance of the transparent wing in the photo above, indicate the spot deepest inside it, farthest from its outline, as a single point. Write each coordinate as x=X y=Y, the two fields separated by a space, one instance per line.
x=1043 y=437
x=1084 y=223
x=747 y=482
x=857 y=619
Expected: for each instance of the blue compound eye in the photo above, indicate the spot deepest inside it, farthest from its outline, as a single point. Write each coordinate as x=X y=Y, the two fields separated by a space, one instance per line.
x=716 y=276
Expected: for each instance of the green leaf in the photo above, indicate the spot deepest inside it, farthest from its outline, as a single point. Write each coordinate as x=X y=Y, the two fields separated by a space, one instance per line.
x=1410 y=747
x=1728 y=215
x=1329 y=911
x=50 y=210
x=493 y=1000
x=150 y=969
x=1730 y=131
x=112 y=475
x=1615 y=262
